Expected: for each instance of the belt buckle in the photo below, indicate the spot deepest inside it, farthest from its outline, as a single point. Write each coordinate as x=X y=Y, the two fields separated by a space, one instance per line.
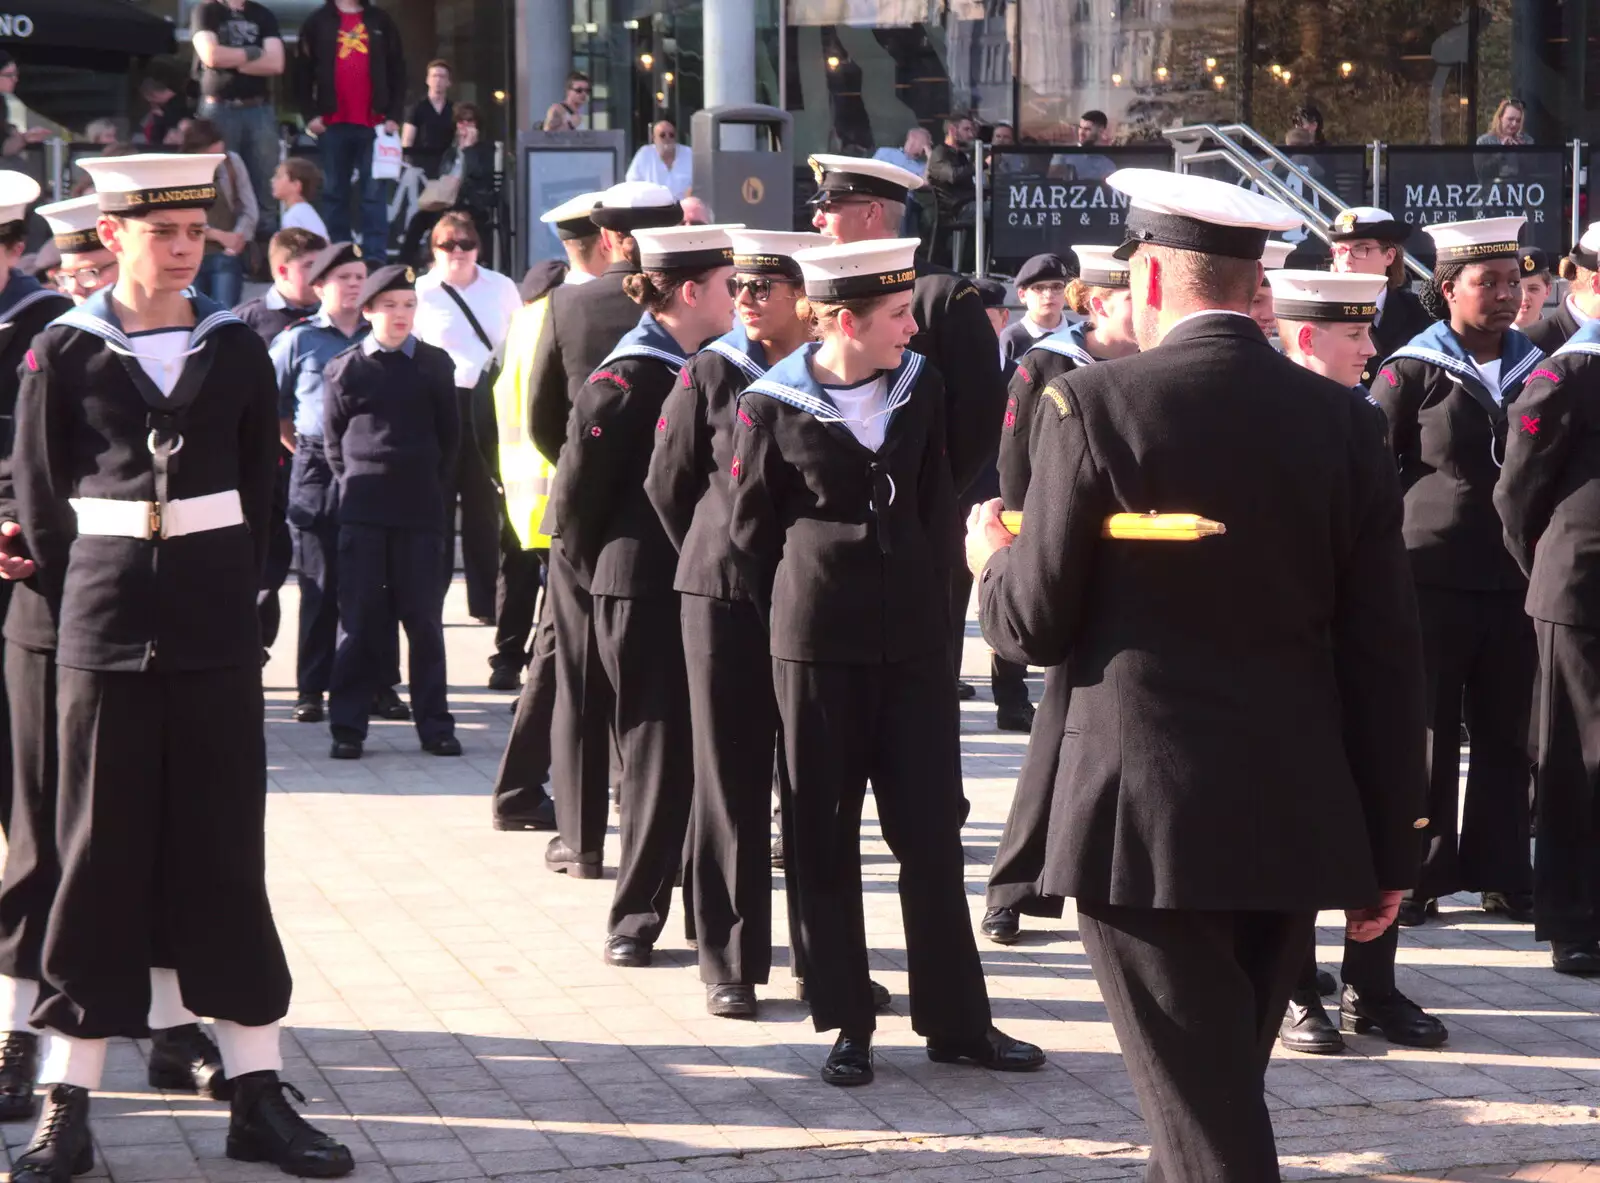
x=155 y=520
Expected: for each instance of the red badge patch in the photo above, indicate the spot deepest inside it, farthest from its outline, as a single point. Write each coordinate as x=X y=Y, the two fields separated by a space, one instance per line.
x=684 y=374
x=33 y=362
x=661 y=423
x=745 y=419
x=1530 y=424
x=1011 y=418
x=595 y=432
x=1026 y=377
x=610 y=376
x=1388 y=375
x=734 y=471
x=1546 y=374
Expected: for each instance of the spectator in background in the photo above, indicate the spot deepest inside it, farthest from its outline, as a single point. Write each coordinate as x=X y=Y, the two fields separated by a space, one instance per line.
x=567 y=115
x=81 y=181
x=102 y=132
x=472 y=160
x=231 y=220
x=351 y=71
x=1309 y=117
x=695 y=212
x=297 y=183
x=950 y=172
x=1506 y=126
x=1093 y=129
x=431 y=126
x=14 y=138
x=237 y=48
x=1003 y=135
x=663 y=161
x=913 y=157
x=163 y=109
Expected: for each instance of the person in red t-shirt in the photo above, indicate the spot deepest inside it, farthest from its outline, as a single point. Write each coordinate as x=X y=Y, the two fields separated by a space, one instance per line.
x=351 y=75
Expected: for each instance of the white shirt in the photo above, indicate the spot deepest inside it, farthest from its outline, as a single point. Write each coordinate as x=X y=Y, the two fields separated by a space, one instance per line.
x=304 y=216
x=861 y=407
x=161 y=354
x=648 y=166
x=576 y=277
x=494 y=300
x=1490 y=371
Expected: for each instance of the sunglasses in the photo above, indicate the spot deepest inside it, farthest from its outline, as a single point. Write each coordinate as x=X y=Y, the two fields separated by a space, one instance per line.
x=760 y=289
x=578 y=89
x=456 y=244
x=829 y=204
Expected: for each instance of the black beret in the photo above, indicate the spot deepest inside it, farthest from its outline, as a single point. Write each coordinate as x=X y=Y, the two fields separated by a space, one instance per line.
x=542 y=277
x=396 y=277
x=332 y=257
x=1042 y=269
x=991 y=291
x=1531 y=260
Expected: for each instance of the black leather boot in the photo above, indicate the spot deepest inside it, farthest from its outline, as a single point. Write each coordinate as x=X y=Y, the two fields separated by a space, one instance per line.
x=184 y=1060
x=19 y=1068
x=265 y=1128
x=61 y=1147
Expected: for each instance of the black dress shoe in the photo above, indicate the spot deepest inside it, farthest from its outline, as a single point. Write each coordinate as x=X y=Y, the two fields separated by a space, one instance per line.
x=309 y=710
x=629 y=952
x=993 y=1049
x=562 y=859
x=1581 y=958
x=1326 y=986
x=1003 y=926
x=731 y=1000
x=1394 y=1016
x=965 y=691
x=345 y=749
x=19 y=1068
x=850 y=1062
x=61 y=1147
x=1016 y=718
x=542 y=817
x=881 y=998
x=445 y=745
x=1416 y=911
x=184 y=1060
x=1307 y=1028
x=777 y=854
x=1513 y=905
x=386 y=704
x=504 y=679
x=264 y=1127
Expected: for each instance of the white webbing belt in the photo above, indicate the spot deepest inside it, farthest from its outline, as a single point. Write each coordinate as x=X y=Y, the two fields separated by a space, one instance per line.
x=144 y=519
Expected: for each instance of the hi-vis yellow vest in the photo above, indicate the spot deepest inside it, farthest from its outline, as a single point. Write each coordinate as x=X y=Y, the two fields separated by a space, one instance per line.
x=526 y=475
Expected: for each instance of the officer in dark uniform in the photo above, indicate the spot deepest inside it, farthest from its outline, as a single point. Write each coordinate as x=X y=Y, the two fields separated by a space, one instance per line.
x=1099 y=292
x=1370 y=241
x=163 y=777
x=1244 y=733
x=583 y=324
x=390 y=433
x=861 y=200
x=1581 y=270
x=1548 y=496
x=1447 y=394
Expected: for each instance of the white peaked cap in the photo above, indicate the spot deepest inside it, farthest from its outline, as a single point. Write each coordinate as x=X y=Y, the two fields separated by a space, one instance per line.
x=17 y=192
x=838 y=175
x=1099 y=266
x=634 y=205
x=1276 y=254
x=1197 y=214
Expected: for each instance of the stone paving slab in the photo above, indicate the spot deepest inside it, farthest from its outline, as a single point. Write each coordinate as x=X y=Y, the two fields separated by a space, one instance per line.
x=453 y=1019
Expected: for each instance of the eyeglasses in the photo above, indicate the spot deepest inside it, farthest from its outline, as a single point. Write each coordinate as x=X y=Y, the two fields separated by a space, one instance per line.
x=456 y=244
x=9 y=73
x=1052 y=288
x=1359 y=250
x=760 y=289
x=83 y=277
x=830 y=204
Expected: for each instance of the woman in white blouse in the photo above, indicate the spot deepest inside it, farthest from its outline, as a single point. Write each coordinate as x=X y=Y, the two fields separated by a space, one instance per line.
x=466 y=310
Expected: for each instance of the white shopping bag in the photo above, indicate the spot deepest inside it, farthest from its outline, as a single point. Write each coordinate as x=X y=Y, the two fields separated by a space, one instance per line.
x=386 y=156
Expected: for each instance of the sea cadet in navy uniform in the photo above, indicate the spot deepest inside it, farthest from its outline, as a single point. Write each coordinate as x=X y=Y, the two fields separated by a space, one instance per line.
x=1100 y=293
x=583 y=324
x=1274 y=257
x=1581 y=270
x=1243 y=743
x=1042 y=283
x=734 y=714
x=841 y=507
x=146 y=450
x=1325 y=324
x=614 y=540
x=1446 y=395
x=1548 y=496
x=390 y=431
x=1365 y=240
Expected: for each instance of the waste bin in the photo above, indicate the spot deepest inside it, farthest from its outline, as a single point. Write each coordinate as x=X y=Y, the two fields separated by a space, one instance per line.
x=744 y=166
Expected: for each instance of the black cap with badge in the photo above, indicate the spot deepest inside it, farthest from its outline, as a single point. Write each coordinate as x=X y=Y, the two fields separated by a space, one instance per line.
x=1043 y=269
x=396 y=277
x=991 y=291
x=1531 y=260
x=332 y=257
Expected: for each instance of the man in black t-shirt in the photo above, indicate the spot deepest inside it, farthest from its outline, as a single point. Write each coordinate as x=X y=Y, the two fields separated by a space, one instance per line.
x=237 y=50
x=430 y=126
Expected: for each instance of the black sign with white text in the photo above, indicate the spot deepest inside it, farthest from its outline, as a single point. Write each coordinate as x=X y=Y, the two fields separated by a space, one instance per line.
x=1051 y=199
x=1426 y=186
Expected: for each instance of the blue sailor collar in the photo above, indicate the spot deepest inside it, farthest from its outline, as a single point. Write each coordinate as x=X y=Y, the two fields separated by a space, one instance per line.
x=1438 y=345
x=791 y=381
x=745 y=353
x=22 y=291
x=1585 y=340
x=371 y=345
x=1068 y=342
x=98 y=317
x=647 y=339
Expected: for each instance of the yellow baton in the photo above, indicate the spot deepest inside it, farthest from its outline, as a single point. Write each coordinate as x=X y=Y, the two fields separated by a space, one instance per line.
x=1144 y=527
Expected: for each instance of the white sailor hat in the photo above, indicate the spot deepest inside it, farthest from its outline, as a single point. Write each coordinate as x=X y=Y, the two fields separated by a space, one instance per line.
x=771 y=252
x=852 y=270
x=1475 y=241
x=72 y=224
x=840 y=176
x=1276 y=253
x=139 y=185
x=636 y=205
x=1099 y=267
x=571 y=218
x=1326 y=295
x=17 y=192
x=1197 y=214
x=1367 y=221
x=1586 y=251
x=685 y=248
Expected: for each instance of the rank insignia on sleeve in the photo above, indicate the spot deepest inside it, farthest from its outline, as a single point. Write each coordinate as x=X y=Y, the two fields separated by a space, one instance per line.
x=595 y=432
x=745 y=418
x=1530 y=424
x=684 y=374
x=33 y=362
x=1548 y=375
x=1388 y=376
x=1059 y=399
x=734 y=470
x=1026 y=377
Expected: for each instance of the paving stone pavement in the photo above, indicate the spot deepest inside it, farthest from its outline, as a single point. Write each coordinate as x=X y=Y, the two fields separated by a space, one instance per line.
x=453 y=1018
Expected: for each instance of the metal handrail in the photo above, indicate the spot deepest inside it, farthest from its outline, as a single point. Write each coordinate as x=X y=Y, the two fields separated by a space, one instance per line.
x=1236 y=155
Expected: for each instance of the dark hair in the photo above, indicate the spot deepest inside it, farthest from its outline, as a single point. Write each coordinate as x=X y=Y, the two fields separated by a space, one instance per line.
x=291 y=244
x=654 y=290
x=1432 y=293
x=456 y=219
x=1569 y=270
x=298 y=168
x=1096 y=117
x=467 y=113
x=12 y=233
x=200 y=135
x=575 y=76
x=439 y=64
x=151 y=84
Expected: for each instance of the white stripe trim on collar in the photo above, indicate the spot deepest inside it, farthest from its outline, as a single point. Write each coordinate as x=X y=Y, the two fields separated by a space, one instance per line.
x=79 y=319
x=1527 y=363
x=743 y=360
x=825 y=412
x=1578 y=347
x=1445 y=362
x=28 y=301
x=1066 y=349
x=644 y=351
